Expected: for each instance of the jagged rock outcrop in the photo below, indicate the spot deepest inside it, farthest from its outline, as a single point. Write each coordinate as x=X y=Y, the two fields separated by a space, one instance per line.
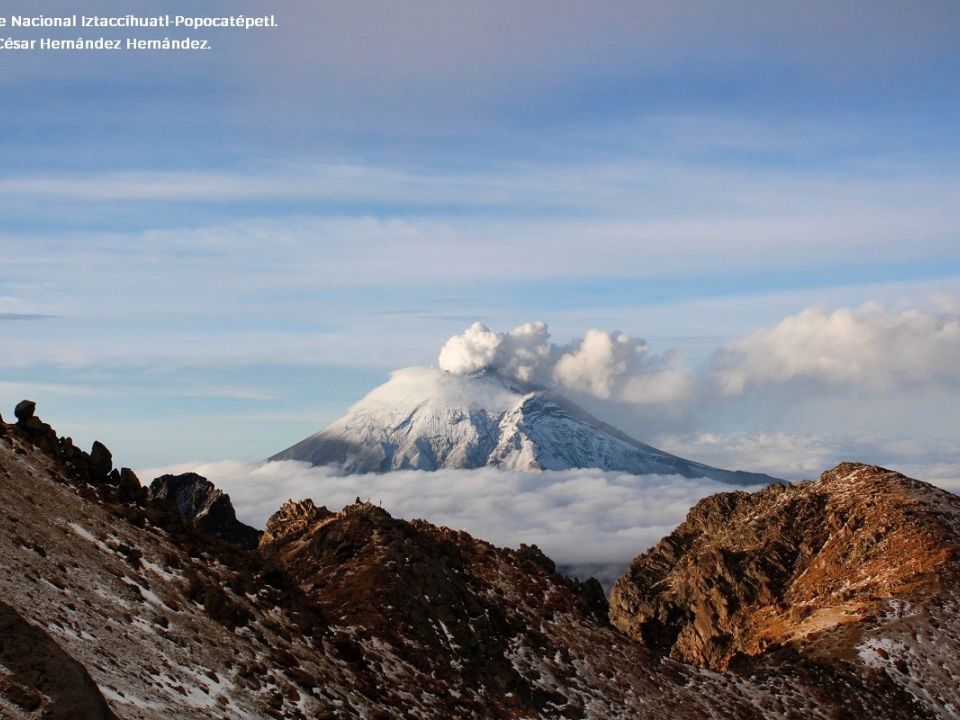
x=796 y=565
x=32 y=427
x=94 y=469
x=167 y=620
x=292 y=520
x=201 y=502
x=101 y=460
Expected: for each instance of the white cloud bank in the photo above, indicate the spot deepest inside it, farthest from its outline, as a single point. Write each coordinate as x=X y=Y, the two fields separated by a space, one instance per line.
x=578 y=517
x=870 y=347
x=605 y=365
x=575 y=516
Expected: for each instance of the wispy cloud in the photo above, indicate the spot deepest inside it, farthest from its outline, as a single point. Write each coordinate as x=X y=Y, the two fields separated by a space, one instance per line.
x=33 y=390
x=661 y=186
x=228 y=392
x=25 y=316
x=933 y=458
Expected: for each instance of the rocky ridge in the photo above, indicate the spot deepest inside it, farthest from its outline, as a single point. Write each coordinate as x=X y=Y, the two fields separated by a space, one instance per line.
x=358 y=614
x=860 y=565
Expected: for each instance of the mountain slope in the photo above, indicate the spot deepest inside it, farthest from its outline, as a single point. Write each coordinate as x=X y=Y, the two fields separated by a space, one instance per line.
x=427 y=419
x=356 y=614
x=862 y=566
x=339 y=615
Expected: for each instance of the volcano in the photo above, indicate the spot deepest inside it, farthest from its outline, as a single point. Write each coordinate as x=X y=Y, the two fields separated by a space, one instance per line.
x=426 y=419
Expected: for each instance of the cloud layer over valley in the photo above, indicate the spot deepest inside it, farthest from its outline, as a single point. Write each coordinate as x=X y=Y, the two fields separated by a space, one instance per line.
x=575 y=516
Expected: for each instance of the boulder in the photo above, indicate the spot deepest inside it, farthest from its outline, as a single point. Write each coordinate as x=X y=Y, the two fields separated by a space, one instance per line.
x=593 y=598
x=128 y=480
x=34 y=429
x=25 y=410
x=101 y=461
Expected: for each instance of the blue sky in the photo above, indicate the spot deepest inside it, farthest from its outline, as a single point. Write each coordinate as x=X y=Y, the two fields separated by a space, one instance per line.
x=210 y=256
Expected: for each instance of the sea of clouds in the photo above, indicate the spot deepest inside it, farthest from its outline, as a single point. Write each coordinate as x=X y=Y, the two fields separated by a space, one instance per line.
x=576 y=516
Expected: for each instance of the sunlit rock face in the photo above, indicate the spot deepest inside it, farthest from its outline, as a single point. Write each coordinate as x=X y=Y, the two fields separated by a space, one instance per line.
x=861 y=564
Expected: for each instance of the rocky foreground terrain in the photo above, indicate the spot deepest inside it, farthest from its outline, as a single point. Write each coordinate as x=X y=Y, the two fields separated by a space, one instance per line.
x=832 y=599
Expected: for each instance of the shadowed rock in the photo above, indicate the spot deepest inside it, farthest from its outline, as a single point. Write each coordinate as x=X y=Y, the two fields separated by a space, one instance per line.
x=42 y=677
x=101 y=460
x=427 y=592
x=202 y=503
x=25 y=410
x=33 y=428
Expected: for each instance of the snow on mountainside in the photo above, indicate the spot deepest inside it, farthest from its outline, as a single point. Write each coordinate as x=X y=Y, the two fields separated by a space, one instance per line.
x=425 y=419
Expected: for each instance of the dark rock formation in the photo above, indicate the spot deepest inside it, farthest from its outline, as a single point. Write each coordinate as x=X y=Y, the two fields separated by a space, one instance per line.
x=744 y=572
x=591 y=594
x=25 y=410
x=94 y=468
x=201 y=502
x=33 y=428
x=101 y=460
x=128 y=481
x=44 y=679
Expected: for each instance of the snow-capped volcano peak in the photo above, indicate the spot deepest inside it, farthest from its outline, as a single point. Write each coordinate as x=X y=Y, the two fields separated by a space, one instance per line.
x=426 y=419
x=417 y=387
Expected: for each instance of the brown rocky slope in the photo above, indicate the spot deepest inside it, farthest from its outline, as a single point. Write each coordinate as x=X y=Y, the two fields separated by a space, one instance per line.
x=357 y=614
x=860 y=566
